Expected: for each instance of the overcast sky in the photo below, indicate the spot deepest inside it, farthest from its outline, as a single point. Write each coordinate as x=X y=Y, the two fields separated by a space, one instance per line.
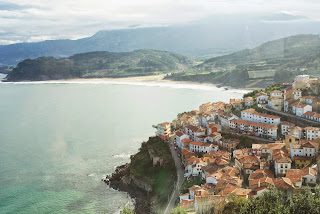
x=37 y=20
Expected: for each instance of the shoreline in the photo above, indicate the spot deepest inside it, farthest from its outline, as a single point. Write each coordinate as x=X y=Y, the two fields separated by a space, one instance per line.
x=138 y=79
x=120 y=180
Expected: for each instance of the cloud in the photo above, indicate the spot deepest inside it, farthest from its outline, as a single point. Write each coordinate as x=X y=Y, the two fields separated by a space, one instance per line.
x=9 y=6
x=32 y=20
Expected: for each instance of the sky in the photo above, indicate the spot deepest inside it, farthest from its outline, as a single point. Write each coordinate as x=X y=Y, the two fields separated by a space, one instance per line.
x=38 y=20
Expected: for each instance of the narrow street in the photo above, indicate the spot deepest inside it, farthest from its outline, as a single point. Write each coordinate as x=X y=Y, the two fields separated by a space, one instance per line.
x=180 y=173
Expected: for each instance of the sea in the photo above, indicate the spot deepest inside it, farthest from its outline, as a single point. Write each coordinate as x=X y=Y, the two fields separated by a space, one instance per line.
x=58 y=139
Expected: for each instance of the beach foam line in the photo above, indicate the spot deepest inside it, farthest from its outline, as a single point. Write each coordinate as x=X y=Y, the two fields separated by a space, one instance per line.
x=141 y=83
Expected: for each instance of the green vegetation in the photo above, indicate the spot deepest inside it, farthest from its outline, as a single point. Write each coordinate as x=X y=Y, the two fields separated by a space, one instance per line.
x=127 y=209
x=178 y=210
x=161 y=178
x=245 y=142
x=99 y=64
x=187 y=184
x=183 y=113
x=267 y=90
x=274 y=202
x=5 y=69
x=276 y=61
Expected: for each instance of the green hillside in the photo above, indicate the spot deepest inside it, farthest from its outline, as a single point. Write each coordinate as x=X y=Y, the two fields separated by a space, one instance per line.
x=272 y=62
x=99 y=64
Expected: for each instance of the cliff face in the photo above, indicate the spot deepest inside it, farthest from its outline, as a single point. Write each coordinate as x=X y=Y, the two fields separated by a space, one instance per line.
x=138 y=190
x=148 y=183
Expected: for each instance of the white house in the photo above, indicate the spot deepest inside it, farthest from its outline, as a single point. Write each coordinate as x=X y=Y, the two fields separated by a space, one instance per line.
x=312 y=132
x=194 y=167
x=299 y=108
x=248 y=102
x=213 y=178
x=164 y=130
x=304 y=148
x=258 y=129
x=226 y=117
x=214 y=137
x=297 y=93
x=179 y=137
x=253 y=116
x=262 y=98
x=202 y=147
x=301 y=177
x=194 y=131
x=204 y=118
x=282 y=163
x=285 y=126
x=184 y=197
x=310 y=99
x=296 y=131
x=276 y=93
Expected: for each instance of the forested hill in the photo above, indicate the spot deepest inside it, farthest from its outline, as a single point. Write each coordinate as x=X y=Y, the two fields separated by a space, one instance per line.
x=99 y=64
x=275 y=61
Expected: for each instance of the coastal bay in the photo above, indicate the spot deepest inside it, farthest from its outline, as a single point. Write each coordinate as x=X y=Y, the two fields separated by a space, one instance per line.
x=59 y=138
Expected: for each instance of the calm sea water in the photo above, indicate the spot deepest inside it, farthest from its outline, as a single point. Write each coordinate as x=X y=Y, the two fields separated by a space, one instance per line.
x=57 y=140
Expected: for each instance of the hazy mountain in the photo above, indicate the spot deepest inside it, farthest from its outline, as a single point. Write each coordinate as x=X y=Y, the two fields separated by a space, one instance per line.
x=209 y=37
x=99 y=64
x=286 y=50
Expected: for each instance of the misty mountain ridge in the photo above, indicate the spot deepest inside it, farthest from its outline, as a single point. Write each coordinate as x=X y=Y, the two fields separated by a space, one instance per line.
x=213 y=36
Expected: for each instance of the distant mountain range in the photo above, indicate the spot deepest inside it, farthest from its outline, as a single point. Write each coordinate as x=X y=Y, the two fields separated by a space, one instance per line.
x=217 y=35
x=99 y=64
x=276 y=61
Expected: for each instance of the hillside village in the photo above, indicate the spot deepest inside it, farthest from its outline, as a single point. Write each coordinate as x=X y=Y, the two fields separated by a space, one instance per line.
x=233 y=148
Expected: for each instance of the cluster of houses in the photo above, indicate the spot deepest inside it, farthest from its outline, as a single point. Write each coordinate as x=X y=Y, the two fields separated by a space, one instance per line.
x=289 y=162
x=291 y=99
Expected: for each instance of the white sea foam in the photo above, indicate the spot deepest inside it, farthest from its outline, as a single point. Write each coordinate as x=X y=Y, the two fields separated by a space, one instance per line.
x=142 y=83
x=122 y=156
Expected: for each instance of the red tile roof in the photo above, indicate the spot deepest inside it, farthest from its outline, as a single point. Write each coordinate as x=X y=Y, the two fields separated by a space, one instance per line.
x=267 y=126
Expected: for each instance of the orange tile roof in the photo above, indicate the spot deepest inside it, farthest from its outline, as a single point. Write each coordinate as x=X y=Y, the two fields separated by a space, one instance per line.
x=275 y=91
x=186 y=203
x=186 y=140
x=260 y=94
x=295 y=175
x=312 y=128
x=196 y=143
x=179 y=133
x=248 y=98
x=267 y=126
x=283 y=183
x=266 y=180
x=286 y=123
x=302 y=158
x=249 y=159
x=164 y=124
x=261 y=173
x=299 y=104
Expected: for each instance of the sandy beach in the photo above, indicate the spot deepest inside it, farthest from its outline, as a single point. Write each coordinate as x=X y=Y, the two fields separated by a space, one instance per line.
x=154 y=78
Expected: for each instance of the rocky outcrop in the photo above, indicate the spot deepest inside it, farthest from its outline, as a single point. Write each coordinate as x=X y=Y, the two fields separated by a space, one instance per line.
x=138 y=189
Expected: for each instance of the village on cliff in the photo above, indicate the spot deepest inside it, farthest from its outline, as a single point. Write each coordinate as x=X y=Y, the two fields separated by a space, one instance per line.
x=212 y=145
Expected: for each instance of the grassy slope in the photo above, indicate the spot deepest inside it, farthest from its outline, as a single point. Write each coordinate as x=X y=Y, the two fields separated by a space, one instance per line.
x=161 y=178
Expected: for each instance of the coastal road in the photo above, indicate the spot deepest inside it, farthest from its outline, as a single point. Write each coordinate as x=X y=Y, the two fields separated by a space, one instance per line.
x=180 y=173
